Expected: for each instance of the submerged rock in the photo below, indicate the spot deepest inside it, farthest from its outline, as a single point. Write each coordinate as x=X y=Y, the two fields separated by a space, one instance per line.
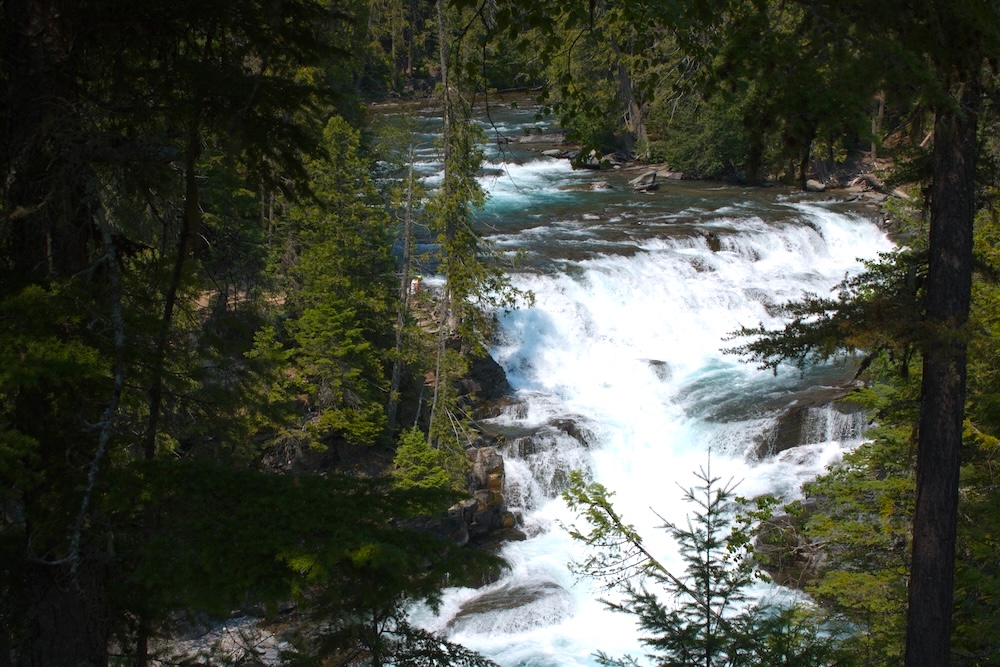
x=823 y=418
x=542 y=138
x=660 y=368
x=514 y=608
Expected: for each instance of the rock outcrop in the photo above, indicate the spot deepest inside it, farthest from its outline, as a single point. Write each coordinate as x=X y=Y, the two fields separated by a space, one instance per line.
x=818 y=417
x=488 y=511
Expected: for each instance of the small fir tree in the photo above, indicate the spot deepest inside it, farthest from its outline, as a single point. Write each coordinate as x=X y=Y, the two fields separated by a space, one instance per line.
x=709 y=619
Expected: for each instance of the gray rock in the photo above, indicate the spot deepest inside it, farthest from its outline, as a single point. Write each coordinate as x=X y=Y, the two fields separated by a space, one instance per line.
x=512 y=608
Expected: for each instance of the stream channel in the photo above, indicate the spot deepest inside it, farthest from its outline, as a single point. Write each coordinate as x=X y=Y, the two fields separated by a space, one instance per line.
x=619 y=369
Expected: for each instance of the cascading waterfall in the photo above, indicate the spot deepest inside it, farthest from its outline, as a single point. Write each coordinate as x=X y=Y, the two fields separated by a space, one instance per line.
x=619 y=371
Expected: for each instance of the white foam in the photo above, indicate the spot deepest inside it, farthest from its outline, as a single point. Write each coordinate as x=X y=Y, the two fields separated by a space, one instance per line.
x=633 y=343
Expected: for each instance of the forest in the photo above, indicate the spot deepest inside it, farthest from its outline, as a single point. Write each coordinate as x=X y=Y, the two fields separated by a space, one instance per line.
x=207 y=243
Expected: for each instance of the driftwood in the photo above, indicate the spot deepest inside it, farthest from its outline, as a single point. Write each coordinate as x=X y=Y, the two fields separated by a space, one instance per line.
x=645 y=182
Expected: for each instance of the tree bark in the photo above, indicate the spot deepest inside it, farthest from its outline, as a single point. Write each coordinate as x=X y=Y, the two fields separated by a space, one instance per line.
x=877 y=118
x=190 y=222
x=942 y=407
x=403 y=306
x=68 y=617
x=631 y=110
x=451 y=302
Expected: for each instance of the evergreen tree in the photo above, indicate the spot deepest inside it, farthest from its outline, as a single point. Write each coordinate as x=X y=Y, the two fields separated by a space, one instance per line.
x=703 y=616
x=476 y=286
x=341 y=301
x=138 y=140
x=862 y=509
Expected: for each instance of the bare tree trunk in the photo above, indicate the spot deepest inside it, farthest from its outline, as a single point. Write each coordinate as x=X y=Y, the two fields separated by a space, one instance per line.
x=942 y=406
x=410 y=36
x=804 y=168
x=447 y=184
x=755 y=155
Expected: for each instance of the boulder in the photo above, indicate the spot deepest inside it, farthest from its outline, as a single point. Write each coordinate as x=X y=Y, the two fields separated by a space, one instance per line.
x=611 y=160
x=812 y=185
x=486 y=379
x=592 y=160
x=809 y=423
x=487 y=469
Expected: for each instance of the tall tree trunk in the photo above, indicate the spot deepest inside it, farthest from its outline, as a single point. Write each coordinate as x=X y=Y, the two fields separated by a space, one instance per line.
x=61 y=612
x=632 y=112
x=410 y=36
x=877 y=123
x=68 y=616
x=451 y=304
x=755 y=155
x=404 y=303
x=942 y=407
x=190 y=221
x=804 y=167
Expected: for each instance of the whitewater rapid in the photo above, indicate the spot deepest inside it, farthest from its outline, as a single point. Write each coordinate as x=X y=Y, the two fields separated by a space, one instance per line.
x=620 y=371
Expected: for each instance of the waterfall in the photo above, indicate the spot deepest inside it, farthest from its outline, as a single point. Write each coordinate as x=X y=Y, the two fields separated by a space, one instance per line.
x=619 y=370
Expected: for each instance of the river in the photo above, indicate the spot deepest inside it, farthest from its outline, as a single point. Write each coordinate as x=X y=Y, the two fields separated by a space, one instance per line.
x=619 y=369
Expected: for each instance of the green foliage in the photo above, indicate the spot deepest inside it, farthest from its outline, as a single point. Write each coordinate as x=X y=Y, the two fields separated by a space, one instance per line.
x=419 y=465
x=209 y=538
x=864 y=507
x=791 y=636
x=703 y=138
x=861 y=510
x=55 y=374
x=342 y=302
x=878 y=311
x=390 y=639
x=477 y=285
x=704 y=615
x=159 y=148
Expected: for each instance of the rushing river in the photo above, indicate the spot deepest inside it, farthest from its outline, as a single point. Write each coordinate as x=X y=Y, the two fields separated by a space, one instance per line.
x=620 y=371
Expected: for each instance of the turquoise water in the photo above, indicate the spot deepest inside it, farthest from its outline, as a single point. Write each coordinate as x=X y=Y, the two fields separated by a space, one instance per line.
x=635 y=295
